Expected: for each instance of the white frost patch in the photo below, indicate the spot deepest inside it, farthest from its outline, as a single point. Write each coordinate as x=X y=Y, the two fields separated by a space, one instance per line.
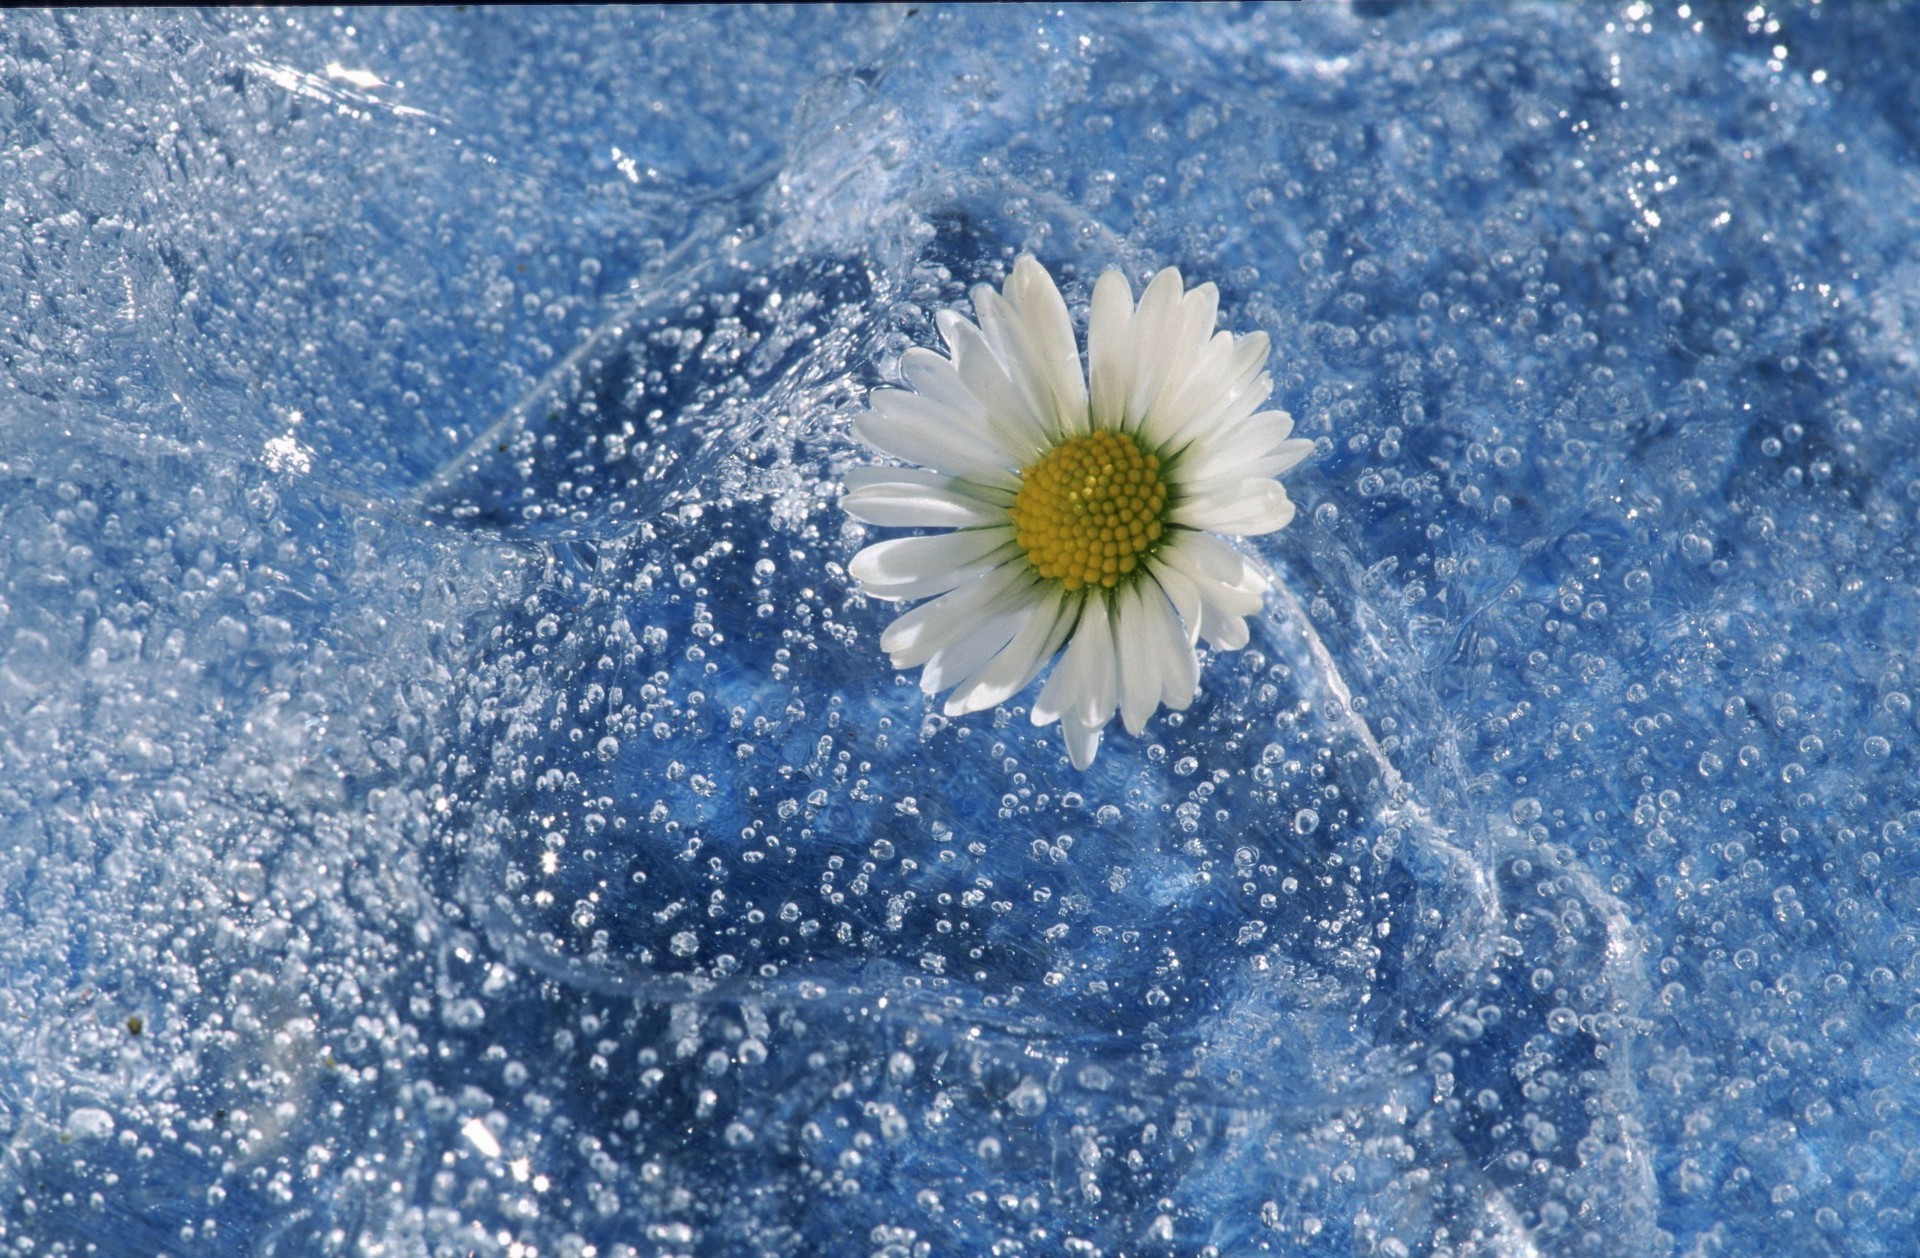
x=365 y=80
x=480 y=1138
x=284 y=453
x=89 y=1124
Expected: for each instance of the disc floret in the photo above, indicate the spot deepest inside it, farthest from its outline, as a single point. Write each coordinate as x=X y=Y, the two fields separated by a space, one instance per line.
x=1091 y=509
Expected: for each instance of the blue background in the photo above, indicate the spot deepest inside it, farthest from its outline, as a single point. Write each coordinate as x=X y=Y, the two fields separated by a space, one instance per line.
x=452 y=800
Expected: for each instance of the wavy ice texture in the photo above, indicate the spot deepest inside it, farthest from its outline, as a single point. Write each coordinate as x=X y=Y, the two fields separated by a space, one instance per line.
x=448 y=803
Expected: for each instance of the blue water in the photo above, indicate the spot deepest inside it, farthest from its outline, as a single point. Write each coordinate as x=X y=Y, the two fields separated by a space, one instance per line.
x=454 y=802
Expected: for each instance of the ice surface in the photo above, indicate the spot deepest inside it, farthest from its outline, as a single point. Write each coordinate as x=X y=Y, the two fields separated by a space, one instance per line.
x=454 y=801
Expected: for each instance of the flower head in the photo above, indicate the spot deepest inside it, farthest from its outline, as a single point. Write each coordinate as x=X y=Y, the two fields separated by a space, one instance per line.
x=1081 y=508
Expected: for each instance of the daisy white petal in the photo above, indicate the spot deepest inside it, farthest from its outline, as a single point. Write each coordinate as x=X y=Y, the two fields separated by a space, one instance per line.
x=1010 y=415
x=917 y=636
x=1247 y=508
x=1226 y=385
x=868 y=477
x=1149 y=640
x=1110 y=356
x=1053 y=355
x=1193 y=333
x=1181 y=679
x=953 y=644
x=901 y=497
x=1084 y=667
x=1008 y=337
x=971 y=651
x=910 y=427
x=1084 y=507
x=1224 y=602
x=1157 y=341
x=1083 y=740
x=1010 y=672
x=1167 y=420
x=938 y=380
x=1251 y=435
x=1222 y=564
x=1159 y=623
x=1236 y=405
x=1285 y=457
x=920 y=567
x=1219 y=457
x=1282 y=460
x=1099 y=692
x=1226 y=633
x=1182 y=593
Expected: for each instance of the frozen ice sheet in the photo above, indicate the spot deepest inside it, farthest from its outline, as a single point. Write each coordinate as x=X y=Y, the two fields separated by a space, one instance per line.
x=454 y=802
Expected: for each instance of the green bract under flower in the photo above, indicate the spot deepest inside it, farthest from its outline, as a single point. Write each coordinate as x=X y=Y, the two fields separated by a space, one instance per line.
x=1081 y=509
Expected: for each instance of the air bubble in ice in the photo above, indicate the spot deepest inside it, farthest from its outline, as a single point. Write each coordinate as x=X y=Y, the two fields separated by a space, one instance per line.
x=1029 y=1099
x=89 y=1123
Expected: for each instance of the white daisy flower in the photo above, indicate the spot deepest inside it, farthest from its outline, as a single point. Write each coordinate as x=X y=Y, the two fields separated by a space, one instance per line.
x=1081 y=517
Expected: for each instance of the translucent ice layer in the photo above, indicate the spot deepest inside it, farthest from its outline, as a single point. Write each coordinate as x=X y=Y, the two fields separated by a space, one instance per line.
x=453 y=800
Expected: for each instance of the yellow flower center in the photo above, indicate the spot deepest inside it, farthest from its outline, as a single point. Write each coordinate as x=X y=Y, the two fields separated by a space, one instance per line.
x=1090 y=509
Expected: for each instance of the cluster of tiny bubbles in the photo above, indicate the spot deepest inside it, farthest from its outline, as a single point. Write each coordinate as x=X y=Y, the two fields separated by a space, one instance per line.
x=672 y=797
x=222 y=842
x=1090 y=509
x=683 y=795
x=1683 y=634
x=668 y=401
x=1608 y=482
x=578 y=879
x=223 y=673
